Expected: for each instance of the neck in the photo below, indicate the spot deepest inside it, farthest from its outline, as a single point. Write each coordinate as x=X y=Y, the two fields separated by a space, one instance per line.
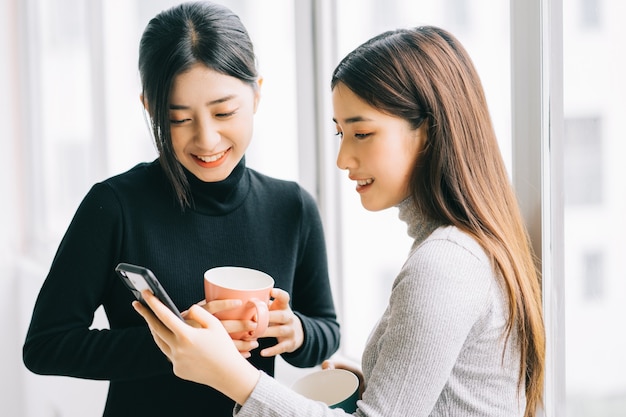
x=220 y=197
x=419 y=226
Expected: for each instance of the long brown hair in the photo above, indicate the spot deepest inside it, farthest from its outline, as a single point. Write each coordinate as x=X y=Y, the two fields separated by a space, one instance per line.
x=424 y=75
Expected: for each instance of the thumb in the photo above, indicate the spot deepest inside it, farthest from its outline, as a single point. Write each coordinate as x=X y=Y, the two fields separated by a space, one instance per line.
x=201 y=316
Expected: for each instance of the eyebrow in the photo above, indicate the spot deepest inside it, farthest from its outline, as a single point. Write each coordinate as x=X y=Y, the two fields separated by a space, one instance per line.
x=354 y=119
x=210 y=103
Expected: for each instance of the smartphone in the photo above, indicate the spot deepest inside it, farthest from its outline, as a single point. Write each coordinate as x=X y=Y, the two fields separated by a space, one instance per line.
x=137 y=278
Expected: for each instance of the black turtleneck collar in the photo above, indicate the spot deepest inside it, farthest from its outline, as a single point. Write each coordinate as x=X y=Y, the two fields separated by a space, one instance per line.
x=221 y=197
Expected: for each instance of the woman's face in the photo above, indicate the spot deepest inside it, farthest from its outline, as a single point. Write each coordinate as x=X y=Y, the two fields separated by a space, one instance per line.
x=211 y=117
x=377 y=150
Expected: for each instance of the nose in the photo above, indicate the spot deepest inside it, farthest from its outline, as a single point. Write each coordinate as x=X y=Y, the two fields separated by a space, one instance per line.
x=345 y=157
x=207 y=134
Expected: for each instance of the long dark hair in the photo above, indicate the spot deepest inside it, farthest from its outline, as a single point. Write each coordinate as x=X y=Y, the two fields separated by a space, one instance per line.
x=424 y=75
x=172 y=42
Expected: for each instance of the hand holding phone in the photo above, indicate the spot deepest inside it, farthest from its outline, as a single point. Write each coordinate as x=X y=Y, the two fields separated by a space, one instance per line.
x=137 y=278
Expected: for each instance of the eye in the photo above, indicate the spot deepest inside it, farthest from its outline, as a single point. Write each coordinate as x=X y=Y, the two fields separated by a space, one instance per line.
x=361 y=135
x=340 y=134
x=225 y=115
x=178 y=121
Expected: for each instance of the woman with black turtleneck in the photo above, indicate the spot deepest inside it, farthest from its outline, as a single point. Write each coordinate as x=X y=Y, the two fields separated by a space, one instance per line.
x=198 y=206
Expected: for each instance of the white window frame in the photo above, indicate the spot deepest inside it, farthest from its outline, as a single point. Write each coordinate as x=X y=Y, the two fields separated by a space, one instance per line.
x=537 y=120
x=316 y=56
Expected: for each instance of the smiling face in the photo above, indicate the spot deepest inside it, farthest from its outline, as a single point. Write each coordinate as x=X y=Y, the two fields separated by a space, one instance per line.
x=377 y=150
x=211 y=117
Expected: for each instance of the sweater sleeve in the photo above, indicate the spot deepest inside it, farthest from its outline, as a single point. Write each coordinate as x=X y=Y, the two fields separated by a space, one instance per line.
x=60 y=340
x=433 y=306
x=312 y=298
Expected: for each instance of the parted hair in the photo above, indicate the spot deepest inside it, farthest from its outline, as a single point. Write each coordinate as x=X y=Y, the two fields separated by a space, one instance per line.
x=424 y=75
x=172 y=42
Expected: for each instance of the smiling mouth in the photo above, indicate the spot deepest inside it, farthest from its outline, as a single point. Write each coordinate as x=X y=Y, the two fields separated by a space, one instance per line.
x=363 y=185
x=211 y=161
x=211 y=158
x=365 y=182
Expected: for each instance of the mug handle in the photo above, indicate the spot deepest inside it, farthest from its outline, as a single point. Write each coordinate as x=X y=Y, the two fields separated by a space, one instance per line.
x=262 y=317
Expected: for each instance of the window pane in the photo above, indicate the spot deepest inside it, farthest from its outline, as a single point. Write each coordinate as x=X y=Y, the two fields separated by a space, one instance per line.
x=595 y=203
x=61 y=112
x=375 y=245
x=583 y=161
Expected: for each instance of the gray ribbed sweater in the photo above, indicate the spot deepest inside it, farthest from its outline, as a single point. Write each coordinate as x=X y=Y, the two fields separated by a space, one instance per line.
x=438 y=348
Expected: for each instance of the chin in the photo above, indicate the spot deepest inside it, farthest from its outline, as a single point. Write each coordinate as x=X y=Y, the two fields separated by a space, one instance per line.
x=373 y=206
x=208 y=177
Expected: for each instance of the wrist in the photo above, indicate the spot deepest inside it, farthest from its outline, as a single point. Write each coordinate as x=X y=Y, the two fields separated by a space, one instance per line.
x=238 y=385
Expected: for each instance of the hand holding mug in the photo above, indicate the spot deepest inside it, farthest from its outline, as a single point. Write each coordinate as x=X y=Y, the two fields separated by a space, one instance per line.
x=337 y=388
x=355 y=369
x=285 y=325
x=247 y=292
x=233 y=326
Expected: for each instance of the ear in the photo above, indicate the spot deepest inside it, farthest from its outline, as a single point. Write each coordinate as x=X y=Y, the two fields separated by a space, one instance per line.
x=420 y=136
x=257 y=92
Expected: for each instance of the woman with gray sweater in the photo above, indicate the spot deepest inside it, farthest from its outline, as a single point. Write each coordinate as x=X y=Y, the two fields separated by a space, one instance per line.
x=463 y=332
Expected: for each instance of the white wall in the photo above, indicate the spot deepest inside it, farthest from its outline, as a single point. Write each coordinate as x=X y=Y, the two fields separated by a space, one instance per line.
x=10 y=348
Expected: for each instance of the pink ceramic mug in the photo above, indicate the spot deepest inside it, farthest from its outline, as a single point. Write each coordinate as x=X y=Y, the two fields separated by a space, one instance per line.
x=246 y=284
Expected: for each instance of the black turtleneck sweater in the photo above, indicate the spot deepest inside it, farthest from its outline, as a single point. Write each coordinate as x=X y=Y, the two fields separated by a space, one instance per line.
x=248 y=220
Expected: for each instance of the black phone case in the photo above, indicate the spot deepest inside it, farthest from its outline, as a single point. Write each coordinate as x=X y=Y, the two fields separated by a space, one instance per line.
x=152 y=282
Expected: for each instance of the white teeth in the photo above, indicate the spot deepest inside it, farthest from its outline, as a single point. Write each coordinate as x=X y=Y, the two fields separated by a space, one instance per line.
x=365 y=182
x=211 y=158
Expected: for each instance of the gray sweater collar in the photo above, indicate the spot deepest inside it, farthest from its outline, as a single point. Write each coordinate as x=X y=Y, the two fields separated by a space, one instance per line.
x=419 y=226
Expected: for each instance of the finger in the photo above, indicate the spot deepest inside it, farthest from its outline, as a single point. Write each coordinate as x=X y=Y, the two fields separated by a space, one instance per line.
x=166 y=319
x=239 y=326
x=153 y=325
x=279 y=317
x=143 y=311
x=201 y=303
x=274 y=350
x=161 y=344
x=202 y=317
x=277 y=332
x=191 y=322
x=246 y=345
x=153 y=322
x=278 y=293
x=328 y=364
x=281 y=299
x=221 y=305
